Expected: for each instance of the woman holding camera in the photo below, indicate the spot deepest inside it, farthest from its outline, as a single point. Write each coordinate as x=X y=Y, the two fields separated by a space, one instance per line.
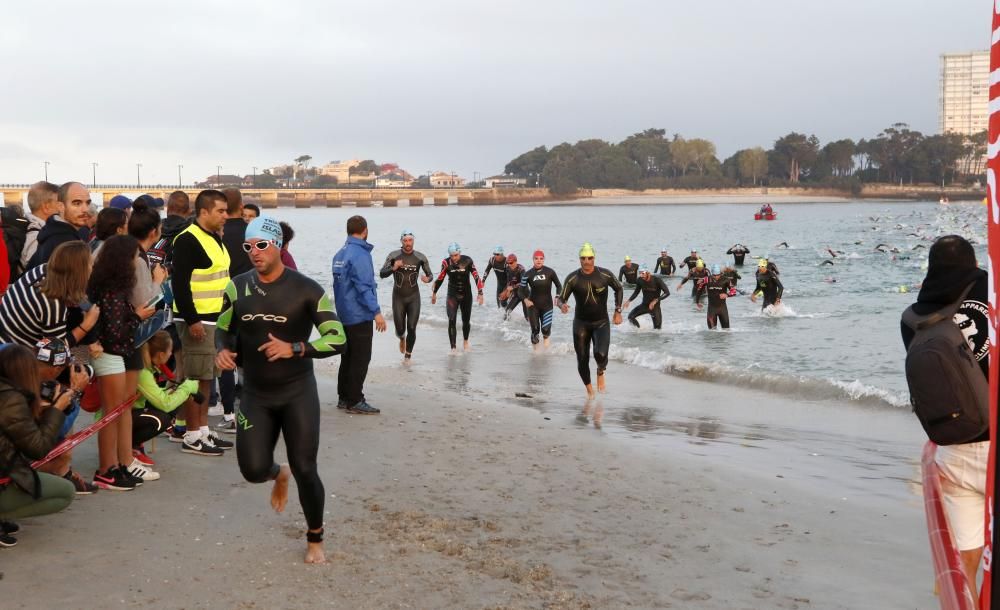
x=29 y=426
x=110 y=287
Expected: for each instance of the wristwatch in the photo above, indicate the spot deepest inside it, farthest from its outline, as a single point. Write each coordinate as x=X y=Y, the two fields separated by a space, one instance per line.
x=298 y=349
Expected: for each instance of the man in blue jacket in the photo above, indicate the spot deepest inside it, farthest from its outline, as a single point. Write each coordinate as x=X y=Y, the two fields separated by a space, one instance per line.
x=357 y=306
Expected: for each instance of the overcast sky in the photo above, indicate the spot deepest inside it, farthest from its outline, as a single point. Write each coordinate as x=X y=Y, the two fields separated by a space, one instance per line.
x=455 y=86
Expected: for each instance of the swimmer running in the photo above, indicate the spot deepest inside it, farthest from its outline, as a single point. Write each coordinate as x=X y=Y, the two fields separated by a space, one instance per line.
x=457 y=268
x=405 y=265
x=589 y=286
x=268 y=315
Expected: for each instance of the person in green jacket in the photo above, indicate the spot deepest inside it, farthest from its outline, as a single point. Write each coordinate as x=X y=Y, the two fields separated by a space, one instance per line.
x=155 y=408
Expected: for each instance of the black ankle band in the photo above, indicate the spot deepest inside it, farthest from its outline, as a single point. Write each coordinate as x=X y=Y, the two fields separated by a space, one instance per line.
x=315 y=536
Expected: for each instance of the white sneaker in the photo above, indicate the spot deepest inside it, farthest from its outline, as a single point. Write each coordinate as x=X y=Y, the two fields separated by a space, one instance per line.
x=216 y=411
x=140 y=470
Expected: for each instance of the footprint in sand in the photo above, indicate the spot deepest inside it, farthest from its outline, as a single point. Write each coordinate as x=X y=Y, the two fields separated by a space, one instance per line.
x=688 y=596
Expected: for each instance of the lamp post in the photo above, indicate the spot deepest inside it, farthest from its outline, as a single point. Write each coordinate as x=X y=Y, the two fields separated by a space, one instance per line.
x=46 y=164
x=180 y=182
x=254 y=176
x=93 y=169
x=218 y=175
x=138 y=175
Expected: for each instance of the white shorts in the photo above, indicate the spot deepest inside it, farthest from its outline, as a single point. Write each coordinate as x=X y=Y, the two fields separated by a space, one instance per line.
x=963 y=489
x=108 y=364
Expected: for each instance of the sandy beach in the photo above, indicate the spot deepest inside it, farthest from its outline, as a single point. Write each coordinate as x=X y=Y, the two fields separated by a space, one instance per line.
x=462 y=496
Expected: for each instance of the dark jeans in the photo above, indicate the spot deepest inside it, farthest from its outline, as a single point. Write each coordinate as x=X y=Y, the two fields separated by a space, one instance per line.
x=354 y=362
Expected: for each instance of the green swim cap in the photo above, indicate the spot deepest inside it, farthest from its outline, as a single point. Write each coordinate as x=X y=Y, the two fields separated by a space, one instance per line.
x=587 y=250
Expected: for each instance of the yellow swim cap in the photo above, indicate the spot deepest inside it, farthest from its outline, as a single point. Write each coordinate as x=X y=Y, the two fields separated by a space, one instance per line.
x=627 y=257
x=762 y=263
x=586 y=250
x=700 y=264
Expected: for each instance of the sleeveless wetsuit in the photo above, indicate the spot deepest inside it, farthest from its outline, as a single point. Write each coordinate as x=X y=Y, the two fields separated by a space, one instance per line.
x=654 y=289
x=406 y=292
x=536 y=284
x=590 y=319
x=718 y=312
x=629 y=273
x=459 y=293
x=665 y=265
x=279 y=397
x=499 y=268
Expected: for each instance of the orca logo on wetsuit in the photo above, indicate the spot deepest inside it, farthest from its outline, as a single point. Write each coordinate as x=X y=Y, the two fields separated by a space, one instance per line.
x=265 y=317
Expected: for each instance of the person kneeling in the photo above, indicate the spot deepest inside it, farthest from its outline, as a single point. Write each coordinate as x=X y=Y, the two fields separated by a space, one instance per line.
x=29 y=427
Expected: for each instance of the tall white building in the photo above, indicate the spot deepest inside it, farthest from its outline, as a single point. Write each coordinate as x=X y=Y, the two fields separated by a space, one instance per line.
x=965 y=92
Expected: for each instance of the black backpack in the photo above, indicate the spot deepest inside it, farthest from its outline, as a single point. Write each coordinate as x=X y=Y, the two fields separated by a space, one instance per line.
x=948 y=390
x=15 y=234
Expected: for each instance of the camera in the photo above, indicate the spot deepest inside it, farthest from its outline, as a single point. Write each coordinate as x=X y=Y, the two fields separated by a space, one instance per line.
x=48 y=391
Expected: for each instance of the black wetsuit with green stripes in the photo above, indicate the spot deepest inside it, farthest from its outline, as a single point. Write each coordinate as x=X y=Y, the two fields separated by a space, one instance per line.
x=280 y=397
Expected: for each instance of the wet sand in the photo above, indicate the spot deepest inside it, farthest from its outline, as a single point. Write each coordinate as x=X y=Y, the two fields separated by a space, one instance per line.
x=462 y=496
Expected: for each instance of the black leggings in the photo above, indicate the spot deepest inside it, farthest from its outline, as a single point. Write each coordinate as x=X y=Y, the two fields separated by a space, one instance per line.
x=585 y=333
x=642 y=310
x=147 y=423
x=405 y=313
x=540 y=321
x=454 y=303
x=293 y=409
x=718 y=316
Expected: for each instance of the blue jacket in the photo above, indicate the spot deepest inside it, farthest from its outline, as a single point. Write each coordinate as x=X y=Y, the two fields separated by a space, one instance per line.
x=354 y=282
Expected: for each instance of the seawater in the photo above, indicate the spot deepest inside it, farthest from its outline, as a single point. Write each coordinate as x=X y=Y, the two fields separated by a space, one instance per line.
x=837 y=336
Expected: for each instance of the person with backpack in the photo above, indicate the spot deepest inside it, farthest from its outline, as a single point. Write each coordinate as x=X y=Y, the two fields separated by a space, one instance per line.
x=949 y=387
x=43 y=203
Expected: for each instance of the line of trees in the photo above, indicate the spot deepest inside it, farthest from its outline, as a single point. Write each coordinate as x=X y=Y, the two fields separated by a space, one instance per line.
x=650 y=159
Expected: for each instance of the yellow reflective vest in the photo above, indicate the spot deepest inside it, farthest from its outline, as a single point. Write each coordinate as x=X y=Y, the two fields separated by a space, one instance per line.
x=208 y=285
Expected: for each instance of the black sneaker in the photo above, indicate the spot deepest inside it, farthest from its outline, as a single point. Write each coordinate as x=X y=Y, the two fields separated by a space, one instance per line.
x=215 y=441
x=83 y=488
x=227 y=426
x=6 y=540
x=174 y=435
x=9 y=527
x=200 y=448
x=363 y=408
x=136 y=480
x=114 y=479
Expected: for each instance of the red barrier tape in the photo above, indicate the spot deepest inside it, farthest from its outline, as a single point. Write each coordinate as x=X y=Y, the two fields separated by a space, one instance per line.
x=75 y=439
x=955 y=594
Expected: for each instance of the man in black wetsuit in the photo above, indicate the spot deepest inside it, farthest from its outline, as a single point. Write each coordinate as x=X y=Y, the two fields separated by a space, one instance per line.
x=511 y=296
x=653 y=290
x=665 y=264
x=457 y=268
x=589 y=286
x=405 y=265
x=768 y=285
x=717 y=286
x=498 y=265
x=734 y=277
x=739 y=252
x=697 y=273
x=629 y=271
x=268 y=315
x=691 y=261
x=536 y=294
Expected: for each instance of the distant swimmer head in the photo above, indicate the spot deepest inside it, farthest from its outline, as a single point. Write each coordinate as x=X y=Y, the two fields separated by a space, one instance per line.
x=643 y=269
x=406 y=233
x=628 y=259
x=264 y=228
x=454 y=248
x=694 y=250
x=716 y=270
x=538 y=254
x=762 y=263
x=700 y=264
x=587 y=250
x=511 y=259
x=498 y=250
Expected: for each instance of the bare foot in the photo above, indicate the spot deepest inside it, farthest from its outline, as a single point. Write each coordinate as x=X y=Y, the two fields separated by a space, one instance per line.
x=279 y=493
x=590 y=392
x=547 y=342
x=314 y=552
x=402 y=345
x=466 y=346
x=407 y=358
x=601 y=384
x=454 y=351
